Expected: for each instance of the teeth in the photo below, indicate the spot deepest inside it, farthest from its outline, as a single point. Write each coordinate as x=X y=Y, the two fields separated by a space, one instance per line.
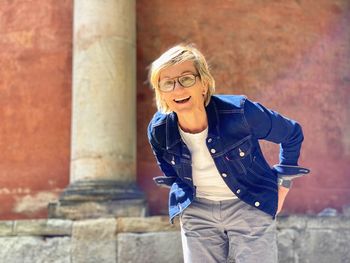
x=181 y=99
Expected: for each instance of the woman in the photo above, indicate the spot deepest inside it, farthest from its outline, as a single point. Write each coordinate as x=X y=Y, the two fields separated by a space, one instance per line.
x=226 y=194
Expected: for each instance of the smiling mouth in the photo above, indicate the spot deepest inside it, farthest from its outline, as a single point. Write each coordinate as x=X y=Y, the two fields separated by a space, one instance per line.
x=182 y=100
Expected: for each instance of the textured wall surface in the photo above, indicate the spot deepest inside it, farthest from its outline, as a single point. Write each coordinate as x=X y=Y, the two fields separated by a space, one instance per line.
x=35 y=99
x=292 y=56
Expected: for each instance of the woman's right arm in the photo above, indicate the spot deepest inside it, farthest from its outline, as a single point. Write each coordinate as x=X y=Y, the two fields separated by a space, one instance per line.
x=169 y=174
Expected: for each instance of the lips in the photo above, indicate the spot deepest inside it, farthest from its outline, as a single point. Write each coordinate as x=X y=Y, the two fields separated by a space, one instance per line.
x=182 y=100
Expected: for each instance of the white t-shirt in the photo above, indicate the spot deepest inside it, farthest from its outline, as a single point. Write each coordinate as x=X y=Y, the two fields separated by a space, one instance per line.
x=208 y=181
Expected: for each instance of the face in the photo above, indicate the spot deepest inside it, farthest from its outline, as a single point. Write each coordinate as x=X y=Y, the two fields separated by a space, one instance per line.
x=183 y=99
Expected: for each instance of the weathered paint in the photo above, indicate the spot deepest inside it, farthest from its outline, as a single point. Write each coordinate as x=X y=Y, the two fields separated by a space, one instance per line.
x=35 y=99
x=33 y=204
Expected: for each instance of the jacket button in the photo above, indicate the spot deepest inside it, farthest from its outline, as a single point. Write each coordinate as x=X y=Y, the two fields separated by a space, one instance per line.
x=238 y=191
x=241 y=153
x=224 y=175
x=173 y=162
x=257 y=204
x=212 y=150
x=210 y=140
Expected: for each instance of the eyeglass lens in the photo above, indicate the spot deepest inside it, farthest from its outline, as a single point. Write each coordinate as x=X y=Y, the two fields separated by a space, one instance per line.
x=185 y=81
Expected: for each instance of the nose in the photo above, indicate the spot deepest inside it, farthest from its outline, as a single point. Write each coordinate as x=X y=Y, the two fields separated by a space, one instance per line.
x=177 y=84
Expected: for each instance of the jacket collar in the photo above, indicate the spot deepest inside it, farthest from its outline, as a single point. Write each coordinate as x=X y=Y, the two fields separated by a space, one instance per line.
x=173 y=137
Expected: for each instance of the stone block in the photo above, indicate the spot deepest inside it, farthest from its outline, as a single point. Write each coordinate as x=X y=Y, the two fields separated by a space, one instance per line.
x=6 y=228
x=336 y=222
x=150 y=247
x=145 y=224
x=43 y=227
x=35 y=249
x=94 y=241
x=324 y=246
x=91 y=209
x=292 y=221
x=286 y=239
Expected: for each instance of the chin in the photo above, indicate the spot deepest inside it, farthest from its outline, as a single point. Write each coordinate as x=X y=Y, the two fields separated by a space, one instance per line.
x=182 y=110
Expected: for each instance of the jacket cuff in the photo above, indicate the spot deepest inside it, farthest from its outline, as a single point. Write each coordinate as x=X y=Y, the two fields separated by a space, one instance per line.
x=166 y=181
x=289 y=172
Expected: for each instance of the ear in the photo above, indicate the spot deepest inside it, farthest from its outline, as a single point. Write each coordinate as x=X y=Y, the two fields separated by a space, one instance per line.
x=205 y=89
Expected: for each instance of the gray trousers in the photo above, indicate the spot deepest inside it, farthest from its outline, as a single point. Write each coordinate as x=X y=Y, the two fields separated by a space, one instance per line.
x=213 y=230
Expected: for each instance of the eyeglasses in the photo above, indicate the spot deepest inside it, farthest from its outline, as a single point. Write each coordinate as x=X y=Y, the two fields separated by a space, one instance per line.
x=186 y=81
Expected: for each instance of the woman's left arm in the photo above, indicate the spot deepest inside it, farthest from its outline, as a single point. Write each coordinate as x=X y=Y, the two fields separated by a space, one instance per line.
x=269 y=125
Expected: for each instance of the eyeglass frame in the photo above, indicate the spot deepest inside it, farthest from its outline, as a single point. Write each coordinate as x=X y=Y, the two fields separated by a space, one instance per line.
x=176 y=80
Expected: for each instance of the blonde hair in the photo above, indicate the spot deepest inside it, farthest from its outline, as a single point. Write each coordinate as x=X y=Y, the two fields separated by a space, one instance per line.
x=176 y=55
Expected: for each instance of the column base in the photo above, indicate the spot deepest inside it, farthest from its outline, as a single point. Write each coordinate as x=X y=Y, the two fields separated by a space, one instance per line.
x=95 y=199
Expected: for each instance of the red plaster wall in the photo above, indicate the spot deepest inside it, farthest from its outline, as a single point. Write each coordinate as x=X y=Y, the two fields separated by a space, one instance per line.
x=292 y=56
x=35 y=104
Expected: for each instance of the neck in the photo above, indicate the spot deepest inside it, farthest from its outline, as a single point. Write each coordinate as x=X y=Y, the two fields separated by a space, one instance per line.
x=193 y=122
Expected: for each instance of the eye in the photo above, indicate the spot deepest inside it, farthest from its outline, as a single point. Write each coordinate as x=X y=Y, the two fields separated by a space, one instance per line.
x=166 y=84
x=187 y=80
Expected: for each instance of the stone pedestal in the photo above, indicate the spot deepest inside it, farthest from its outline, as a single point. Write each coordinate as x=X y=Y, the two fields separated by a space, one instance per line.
x=95 y=199
x=103 y=157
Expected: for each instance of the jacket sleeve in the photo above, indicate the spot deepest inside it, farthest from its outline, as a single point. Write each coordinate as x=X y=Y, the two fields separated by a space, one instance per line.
x=169 y=174
x=271 y=126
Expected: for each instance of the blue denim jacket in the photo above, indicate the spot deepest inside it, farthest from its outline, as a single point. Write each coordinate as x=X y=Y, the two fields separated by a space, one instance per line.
x=235 y=126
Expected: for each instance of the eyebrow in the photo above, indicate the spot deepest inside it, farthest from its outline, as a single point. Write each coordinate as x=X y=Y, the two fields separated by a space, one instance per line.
x=182 y=73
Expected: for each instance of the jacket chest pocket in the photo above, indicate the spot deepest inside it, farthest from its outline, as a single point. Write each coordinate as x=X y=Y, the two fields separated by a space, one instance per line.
x=240 y=156
x=172 y=160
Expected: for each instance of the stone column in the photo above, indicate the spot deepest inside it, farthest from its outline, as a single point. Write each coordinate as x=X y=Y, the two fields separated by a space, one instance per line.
x=103 y=149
